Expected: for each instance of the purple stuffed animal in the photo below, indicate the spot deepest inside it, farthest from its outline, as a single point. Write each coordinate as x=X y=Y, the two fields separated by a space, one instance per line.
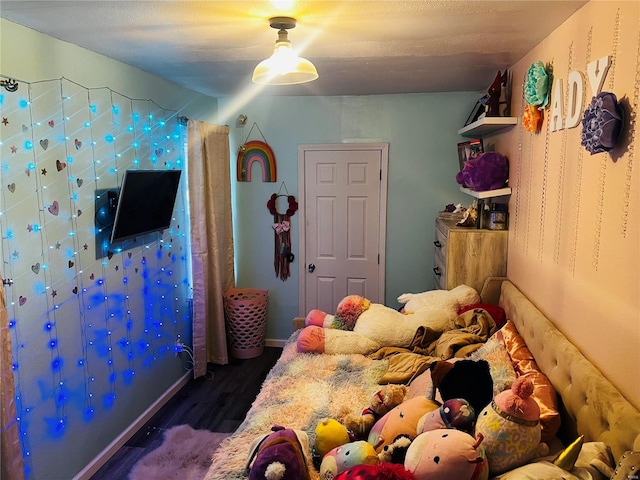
x=488 y=171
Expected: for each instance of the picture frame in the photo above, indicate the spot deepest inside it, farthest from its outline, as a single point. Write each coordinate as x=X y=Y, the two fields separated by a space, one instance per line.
x=478 y=109
x=469 y=149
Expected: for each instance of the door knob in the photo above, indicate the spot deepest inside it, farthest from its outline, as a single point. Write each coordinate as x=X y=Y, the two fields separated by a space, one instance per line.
x=312 y=267
x=7 y=281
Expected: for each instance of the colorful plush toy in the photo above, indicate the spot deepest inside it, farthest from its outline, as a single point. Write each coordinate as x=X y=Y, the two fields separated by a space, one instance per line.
x=445 y=455
x=436 y=309
x=488 y=171
x=511 y=428
x=330 y=434
x=379 y=471
x=346 y=456
x=454 y=413
x=402 y=420
x=385 y=399
x=281 y=455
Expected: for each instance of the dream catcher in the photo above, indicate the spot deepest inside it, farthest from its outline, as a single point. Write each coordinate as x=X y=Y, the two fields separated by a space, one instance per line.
x=282 y=232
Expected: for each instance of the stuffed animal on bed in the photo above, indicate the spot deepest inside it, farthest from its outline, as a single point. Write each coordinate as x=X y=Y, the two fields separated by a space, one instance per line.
x=360 y=326
x=454 y=413
x=281 y=455
x=382 y=401
x=511 y=428
x=330 y=434
x=346 y=456
x=400 y=421
x=447 y=454
x=379 y=471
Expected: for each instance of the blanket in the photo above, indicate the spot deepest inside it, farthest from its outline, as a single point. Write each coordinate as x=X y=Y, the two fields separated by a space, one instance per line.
x=300 y=390
x=468 y=332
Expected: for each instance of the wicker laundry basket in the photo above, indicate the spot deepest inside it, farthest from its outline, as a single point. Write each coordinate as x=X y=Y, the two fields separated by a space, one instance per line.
x=245 y=312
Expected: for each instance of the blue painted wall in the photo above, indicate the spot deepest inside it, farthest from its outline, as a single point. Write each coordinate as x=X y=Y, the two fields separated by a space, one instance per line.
x=421 y=130
x=93 y=328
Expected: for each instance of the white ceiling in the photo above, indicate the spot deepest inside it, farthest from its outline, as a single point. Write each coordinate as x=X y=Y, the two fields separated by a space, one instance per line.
x=359 y=47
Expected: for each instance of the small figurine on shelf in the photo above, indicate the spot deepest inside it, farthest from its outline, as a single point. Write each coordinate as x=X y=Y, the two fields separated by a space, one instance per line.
x=491 y=100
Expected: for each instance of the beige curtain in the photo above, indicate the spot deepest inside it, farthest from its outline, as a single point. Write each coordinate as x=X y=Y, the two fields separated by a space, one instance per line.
x=209 y=174
x=11 y=458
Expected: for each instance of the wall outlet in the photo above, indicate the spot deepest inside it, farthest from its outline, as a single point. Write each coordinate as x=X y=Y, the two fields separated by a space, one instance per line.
x=178 y=347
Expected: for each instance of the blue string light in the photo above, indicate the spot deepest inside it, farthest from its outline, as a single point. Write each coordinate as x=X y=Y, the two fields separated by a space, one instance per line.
x=119 y=322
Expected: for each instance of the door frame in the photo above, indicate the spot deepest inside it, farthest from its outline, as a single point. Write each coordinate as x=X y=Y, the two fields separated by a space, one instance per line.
x=383 y=148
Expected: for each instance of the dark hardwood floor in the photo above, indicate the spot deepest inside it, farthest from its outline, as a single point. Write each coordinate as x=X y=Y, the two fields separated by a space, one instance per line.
x=218 y=402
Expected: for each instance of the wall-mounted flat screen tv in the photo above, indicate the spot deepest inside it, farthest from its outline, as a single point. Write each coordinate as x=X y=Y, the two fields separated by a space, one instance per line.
x=145 y=203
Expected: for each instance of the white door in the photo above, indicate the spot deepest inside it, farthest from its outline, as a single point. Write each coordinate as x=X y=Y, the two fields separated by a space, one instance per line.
x=342 y=223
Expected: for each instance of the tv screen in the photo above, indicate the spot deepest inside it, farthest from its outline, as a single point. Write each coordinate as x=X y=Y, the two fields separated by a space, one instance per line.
x=145 y=203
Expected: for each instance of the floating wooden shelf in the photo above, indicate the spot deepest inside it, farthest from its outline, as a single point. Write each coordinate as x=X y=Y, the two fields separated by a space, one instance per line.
x=499 y=192
x=486 y=125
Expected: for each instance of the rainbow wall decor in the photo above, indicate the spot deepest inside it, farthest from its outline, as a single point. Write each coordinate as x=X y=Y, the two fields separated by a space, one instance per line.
x=256 y=151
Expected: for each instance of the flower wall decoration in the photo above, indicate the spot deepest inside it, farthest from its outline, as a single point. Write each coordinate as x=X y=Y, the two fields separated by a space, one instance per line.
x=532 y=118
x=536 y=87
x=536 y=96
x=602 y=123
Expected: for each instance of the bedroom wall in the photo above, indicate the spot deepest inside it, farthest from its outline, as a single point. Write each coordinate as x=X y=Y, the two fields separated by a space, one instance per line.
x=92 y=330
x=574 y=242
x=421 y=130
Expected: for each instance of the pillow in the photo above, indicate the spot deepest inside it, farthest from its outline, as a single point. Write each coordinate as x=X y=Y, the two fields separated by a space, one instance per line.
x=524 y=364
x=497 y=313
x=500 y=366
x=594 y=463
x=628 y=466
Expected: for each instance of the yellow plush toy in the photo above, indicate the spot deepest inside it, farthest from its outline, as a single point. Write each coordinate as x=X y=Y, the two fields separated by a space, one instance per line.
x=329 y=434
x=385 y=399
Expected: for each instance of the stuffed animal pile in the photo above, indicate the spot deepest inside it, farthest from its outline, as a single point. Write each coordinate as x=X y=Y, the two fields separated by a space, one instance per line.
x=470 y=435
x=360 y=326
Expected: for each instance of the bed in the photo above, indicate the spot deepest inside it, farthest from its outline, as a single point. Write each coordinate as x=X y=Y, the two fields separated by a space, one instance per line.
x=302 y=388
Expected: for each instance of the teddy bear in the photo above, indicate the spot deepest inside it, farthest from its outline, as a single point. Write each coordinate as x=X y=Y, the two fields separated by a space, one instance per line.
x=360 y=326
x=446 y=454
x=488 y=171
x=510 y=425
x=382 y=401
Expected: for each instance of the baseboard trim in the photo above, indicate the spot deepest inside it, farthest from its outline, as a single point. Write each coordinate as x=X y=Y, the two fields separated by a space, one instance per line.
x=274 y=342
x=94 y=465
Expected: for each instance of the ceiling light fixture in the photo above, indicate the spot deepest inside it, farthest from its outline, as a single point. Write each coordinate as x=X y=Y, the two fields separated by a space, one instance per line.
x=284 y=67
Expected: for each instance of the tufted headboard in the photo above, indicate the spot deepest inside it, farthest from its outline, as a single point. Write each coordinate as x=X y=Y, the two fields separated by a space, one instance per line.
x=590 y=404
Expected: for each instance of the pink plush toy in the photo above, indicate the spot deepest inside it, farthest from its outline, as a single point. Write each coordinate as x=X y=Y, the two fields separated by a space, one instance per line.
x=510 y=425
x=488 y=171
x=360 y=326
x=400 y=421
x=447 y=454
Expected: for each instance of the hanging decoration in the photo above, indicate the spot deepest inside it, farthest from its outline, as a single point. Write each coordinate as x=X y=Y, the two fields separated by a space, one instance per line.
x=256 y=151
x=283 y=256
x=536 y=96
x=602 y=123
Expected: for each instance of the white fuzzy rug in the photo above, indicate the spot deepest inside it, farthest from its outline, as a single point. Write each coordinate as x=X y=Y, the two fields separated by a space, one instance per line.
x=185 y=454
x=300 y=390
